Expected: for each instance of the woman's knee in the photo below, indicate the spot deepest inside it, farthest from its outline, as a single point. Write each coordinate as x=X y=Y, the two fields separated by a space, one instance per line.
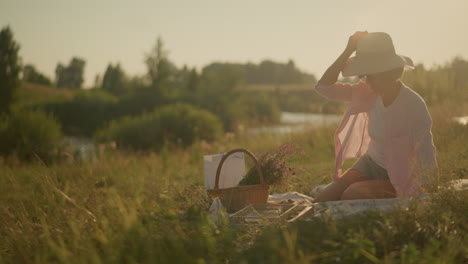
x=334 y=191
x=354 y=191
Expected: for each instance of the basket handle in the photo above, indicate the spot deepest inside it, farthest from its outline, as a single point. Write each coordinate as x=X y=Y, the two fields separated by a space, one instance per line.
x=257 y=165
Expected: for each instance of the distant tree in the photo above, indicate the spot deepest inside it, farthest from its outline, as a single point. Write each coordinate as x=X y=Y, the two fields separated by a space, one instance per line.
x=267 y=72
x=193 y=80
x=9 y=69
x=291 y=74
x=137 y=82
x=160 y=69
x=70 y=76
x=114 y=80
x=97 y=81
x=30 y=74
x=309 y=78
x=459 y=67
x=186 y=79
x=181 y=76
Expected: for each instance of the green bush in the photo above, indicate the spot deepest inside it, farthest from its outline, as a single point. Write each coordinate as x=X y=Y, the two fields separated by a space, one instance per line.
x=237 y=108
x=138 y=101
x=228 y=109
x=85 y=113
x=262 y=108
x=29 y=134
x=178 y=124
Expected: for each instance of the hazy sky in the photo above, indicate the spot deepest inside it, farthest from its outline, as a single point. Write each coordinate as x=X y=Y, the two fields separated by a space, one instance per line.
x=198 y=32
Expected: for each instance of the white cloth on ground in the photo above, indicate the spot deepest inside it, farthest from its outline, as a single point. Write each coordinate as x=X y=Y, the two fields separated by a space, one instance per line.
x=290 y=197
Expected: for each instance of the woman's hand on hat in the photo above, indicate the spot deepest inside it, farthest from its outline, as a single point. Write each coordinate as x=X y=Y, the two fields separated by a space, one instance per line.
x=353 y=39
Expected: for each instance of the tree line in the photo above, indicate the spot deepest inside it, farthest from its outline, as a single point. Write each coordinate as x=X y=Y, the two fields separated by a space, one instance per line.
x=160 y=71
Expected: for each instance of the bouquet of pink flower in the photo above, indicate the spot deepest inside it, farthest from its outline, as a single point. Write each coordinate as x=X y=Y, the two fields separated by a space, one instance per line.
x=275 y=166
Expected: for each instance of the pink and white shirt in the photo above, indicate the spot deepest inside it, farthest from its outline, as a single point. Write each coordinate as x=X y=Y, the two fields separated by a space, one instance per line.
x=408 y=146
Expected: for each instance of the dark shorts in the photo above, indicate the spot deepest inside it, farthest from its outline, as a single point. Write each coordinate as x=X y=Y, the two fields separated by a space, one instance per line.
x=370 y=169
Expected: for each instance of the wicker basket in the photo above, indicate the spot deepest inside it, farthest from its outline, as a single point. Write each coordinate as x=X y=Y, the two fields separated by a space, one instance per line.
x=236 y=198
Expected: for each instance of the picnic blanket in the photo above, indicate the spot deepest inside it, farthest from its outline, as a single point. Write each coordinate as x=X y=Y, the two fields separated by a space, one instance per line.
x=340 y=209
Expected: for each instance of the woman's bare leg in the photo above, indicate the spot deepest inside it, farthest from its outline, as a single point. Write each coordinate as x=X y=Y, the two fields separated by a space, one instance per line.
x=369 y=189
x=334 y=191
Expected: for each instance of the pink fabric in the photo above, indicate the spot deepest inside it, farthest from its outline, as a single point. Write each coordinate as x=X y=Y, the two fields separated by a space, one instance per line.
x=409 y=148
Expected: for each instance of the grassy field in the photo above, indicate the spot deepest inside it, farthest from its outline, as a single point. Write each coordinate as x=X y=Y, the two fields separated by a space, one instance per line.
x=151 y=208
x=36 y=93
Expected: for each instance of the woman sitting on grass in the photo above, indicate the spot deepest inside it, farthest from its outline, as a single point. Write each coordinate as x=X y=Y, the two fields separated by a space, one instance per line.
x=387 y=125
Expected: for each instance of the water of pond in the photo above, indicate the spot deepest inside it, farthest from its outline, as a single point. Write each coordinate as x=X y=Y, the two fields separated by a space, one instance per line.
x=79 y=148
x=297 y=122
x=462 y=120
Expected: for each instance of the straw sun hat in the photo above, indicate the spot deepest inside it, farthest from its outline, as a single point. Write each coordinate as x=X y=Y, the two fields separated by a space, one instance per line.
x=375 y=53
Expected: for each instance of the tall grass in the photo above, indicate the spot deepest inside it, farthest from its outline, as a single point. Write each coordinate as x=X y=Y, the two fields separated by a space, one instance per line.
x=151 y=208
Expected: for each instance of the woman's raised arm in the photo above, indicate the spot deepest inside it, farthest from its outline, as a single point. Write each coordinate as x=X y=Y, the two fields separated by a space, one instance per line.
x=331 y=74
x=326 y=85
